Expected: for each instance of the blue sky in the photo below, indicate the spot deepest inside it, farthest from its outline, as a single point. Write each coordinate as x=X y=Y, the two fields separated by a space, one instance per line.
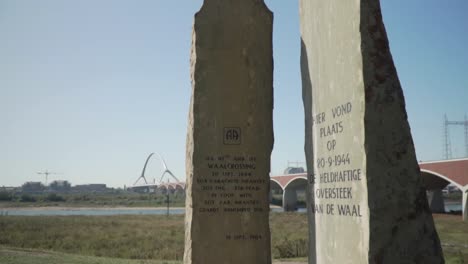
x=89 y=88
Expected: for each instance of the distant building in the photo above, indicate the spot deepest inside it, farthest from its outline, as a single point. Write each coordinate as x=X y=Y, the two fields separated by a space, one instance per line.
x=8 y=189
x=97 y=187
x=293 y=170
x=60 y=186
x=451 y=189
x=32 y=187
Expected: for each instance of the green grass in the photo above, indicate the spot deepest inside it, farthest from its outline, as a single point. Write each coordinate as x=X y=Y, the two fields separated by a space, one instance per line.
x=288 y=240
x=453 y=233
x=140 y=237
x=26 y=256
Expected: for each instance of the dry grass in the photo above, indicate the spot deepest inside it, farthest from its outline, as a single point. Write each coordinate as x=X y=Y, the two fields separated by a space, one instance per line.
x=131 y=237
x=161 y=237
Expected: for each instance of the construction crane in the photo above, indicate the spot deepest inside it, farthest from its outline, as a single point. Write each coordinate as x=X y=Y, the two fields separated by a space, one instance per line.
x=46 y=173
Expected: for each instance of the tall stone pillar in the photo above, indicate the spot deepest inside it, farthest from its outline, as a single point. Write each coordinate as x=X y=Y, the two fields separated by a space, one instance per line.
x=366 y=199
x=230 y=134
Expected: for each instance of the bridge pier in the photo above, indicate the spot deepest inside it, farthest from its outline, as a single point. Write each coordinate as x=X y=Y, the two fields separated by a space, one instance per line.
x=436 y=201
x=465 y=204
x=289 y=199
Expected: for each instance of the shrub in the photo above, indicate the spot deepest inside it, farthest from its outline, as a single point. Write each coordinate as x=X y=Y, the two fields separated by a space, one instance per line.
x=28 y=198
x=5 y=196
x=287 y=248
x=276 y=201
x=53 y=197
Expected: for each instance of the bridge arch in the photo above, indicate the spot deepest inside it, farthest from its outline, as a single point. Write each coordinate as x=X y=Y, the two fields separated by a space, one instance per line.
x=434 y=182
x=274 y=184
x=163 y=189
x=291 y=190
x=165 y=171
x=276 y=190
x=142 y=176
x=425 y=173
x=179 y=189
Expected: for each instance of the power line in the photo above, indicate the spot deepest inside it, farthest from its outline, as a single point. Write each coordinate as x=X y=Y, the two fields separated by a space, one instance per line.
x=295 y=163
x=447 y=143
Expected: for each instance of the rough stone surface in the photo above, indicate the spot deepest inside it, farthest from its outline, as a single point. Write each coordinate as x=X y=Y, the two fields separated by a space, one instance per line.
x=366 y=200
x=230 y=134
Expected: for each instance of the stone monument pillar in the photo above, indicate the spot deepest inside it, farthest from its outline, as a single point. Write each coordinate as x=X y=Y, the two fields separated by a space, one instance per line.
x=366 y=199
x=230 y=134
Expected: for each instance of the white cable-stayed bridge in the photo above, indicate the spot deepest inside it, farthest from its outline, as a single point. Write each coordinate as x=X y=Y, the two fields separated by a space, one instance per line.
x=172 y=185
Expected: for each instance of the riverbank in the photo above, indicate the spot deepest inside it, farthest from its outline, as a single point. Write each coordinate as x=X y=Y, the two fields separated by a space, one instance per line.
x=97 y=211
x=65 y=208
x=69 y=208
x=111 y=199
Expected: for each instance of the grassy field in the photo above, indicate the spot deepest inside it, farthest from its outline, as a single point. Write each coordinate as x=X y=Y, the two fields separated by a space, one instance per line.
x=131 y=237
x=28 y=256
x=453 y=233
x=103 y=239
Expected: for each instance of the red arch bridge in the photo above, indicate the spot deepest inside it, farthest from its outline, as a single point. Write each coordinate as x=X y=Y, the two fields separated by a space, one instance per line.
x=162 y=188
x=436 y=176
